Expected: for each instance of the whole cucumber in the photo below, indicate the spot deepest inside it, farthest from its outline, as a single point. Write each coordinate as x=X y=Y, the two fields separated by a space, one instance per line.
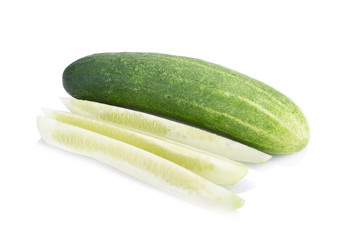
x=195 y=92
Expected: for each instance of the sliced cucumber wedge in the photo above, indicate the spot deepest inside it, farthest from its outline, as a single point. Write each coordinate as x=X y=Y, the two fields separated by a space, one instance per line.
x=214 y=168
x=138 y=163
x=167 y=129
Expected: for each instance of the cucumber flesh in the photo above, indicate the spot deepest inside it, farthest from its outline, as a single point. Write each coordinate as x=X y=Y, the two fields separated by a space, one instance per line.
x=167 y=129
x=216 y=169
x=136 y=162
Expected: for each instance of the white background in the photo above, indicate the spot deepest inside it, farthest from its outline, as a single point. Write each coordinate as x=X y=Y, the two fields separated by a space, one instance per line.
x=309 y=50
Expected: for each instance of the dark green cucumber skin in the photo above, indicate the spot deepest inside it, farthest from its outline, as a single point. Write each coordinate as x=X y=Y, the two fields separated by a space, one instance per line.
x=194 y=92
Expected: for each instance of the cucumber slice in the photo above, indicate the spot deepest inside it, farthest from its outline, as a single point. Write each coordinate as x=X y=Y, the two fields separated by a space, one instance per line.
x=138 y=163
x=164 y=128
x=216 y=169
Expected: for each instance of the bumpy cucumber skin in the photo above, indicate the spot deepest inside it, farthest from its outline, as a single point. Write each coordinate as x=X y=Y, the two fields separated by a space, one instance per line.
x=195 y=92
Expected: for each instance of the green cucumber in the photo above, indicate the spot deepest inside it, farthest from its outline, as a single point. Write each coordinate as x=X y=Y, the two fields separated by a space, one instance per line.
x=195 y=92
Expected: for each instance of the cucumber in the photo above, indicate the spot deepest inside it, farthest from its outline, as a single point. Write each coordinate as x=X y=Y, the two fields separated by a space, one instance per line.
x=194 y=92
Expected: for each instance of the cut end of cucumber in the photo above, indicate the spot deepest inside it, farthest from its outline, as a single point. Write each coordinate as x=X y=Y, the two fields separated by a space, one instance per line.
x=65 y=100
x=238 y=203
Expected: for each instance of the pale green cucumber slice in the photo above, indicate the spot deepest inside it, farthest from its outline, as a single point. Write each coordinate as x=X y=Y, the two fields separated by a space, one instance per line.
x=214 y=168
x=138 y=163
x=164 y=128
